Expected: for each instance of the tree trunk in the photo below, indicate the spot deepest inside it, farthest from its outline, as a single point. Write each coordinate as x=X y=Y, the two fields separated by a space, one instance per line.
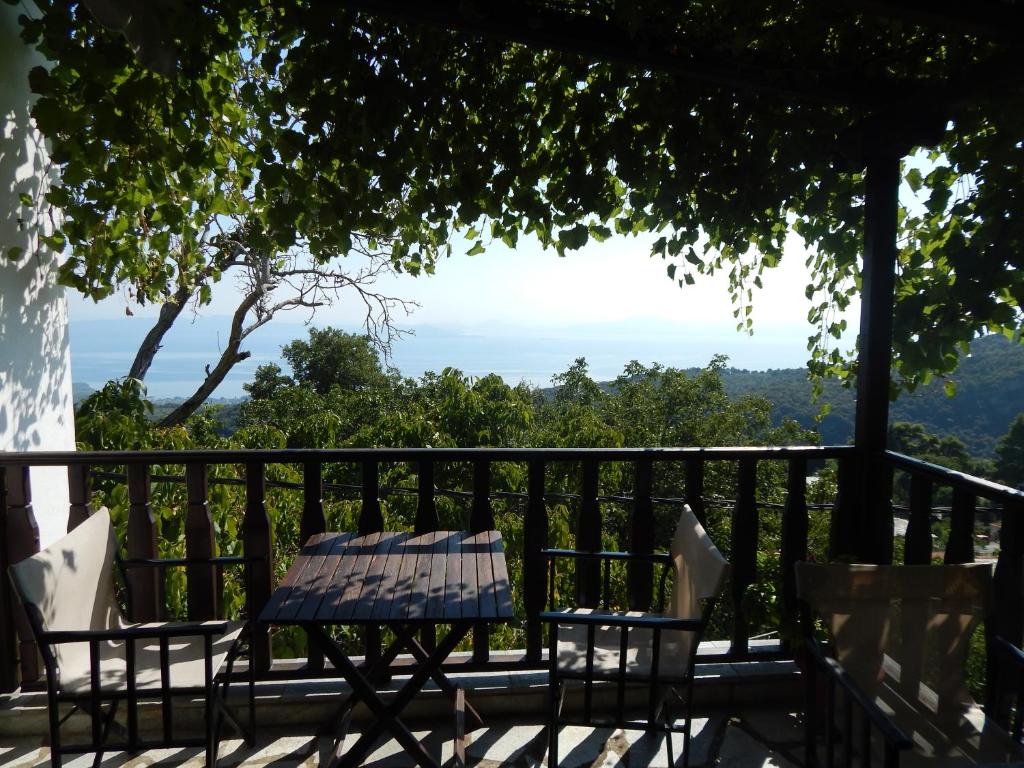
x=150 y=345
x=228 y=359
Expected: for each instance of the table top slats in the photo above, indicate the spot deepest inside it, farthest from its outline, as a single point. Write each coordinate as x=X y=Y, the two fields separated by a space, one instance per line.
x=360 y=561
x=499 y=573
x=470 y=587
x=319 y=588
x=389 y=580
x=403 y=588
x=438 y=566
x=380 y=576
x=394 y=578
x=310 y=584
x=421 y=583
x=453 y=578
x=302 y=562
x=485 y=575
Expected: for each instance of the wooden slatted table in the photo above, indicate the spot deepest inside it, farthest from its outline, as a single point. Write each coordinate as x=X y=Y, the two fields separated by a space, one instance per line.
x=404 y=582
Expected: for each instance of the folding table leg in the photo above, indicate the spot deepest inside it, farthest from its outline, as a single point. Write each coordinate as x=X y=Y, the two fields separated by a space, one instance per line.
x=386 y=715
x=405 y=695
x=408 y=637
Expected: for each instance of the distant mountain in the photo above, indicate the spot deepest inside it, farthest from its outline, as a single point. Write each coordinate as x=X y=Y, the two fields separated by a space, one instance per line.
x=990 y=393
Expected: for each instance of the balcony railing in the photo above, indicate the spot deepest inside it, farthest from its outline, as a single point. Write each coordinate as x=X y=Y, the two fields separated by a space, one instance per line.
x=686 y=468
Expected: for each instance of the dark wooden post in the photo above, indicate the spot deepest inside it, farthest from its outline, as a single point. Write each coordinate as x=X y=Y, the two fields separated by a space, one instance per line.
x=640 y=575
x=481 y=519
x=257 y=541
x=203 y=597
x=313 y=519
x=426 y=505
x=588 y=538
x=881 y=209
x=695 y=488
x=917 y=549
x=370 y=518
x=960 y=547
x=744 y=551
x=79 y=494
x=482 y=516
x=146 y=584
x=534 y=575
x=794 y=543
x=21 y=540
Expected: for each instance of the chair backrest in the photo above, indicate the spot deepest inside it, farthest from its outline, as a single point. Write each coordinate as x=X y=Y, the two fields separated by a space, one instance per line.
x=699 y=573
x=699 y=568
x=905 y=627
x=71 y=583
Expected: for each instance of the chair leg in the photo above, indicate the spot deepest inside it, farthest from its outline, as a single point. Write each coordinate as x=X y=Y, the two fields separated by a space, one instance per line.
x=553 y=696
x=212 y=726
x=54 y=713
x=250 y=739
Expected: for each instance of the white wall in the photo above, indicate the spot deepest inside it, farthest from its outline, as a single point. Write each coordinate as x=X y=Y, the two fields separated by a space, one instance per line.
x=36 y=408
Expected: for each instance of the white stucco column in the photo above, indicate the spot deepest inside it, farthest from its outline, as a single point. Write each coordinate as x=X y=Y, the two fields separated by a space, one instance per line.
x=36 y=407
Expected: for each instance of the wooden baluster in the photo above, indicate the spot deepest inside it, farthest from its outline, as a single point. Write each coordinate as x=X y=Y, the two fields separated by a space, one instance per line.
x=794 y=542
x=482 y=516
x=744 y=551
x=588 y=538
x=481 y=519
x=844 y=528
x=79 y=494
x=203 y=596
x=426 y=506
x=1008 y=603
x=21 y=540
x=371 y=520
x=960 y=547
x=258 y=542
x=313 y=519
x=313 y=522
x=917 y=548
x=640 y=575
x=695 y=488
x=145 y=583
x=535 y=538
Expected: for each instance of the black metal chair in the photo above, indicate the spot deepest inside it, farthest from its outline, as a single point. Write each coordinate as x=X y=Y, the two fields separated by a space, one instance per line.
x=95 y=659
x=656 y=649
x=894 y=672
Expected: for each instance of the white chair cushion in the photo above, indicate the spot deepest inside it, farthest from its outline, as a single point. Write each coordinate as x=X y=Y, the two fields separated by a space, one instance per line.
x=572 y=648
x=185 y=654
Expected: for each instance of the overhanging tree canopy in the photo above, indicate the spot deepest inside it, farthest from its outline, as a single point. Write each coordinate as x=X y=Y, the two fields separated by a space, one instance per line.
x=568 y=121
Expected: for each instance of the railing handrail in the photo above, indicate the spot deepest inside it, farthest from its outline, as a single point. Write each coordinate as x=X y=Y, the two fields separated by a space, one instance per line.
x=300 y=455
x=977 y=485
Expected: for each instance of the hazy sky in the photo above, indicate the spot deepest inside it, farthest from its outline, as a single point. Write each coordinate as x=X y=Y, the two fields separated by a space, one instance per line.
x=529 y=290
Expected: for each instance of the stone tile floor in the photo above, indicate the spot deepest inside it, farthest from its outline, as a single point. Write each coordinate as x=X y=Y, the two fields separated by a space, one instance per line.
x=748 y=739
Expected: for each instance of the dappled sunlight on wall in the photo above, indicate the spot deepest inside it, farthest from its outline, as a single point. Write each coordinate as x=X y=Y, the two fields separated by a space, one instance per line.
x=35 y=375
